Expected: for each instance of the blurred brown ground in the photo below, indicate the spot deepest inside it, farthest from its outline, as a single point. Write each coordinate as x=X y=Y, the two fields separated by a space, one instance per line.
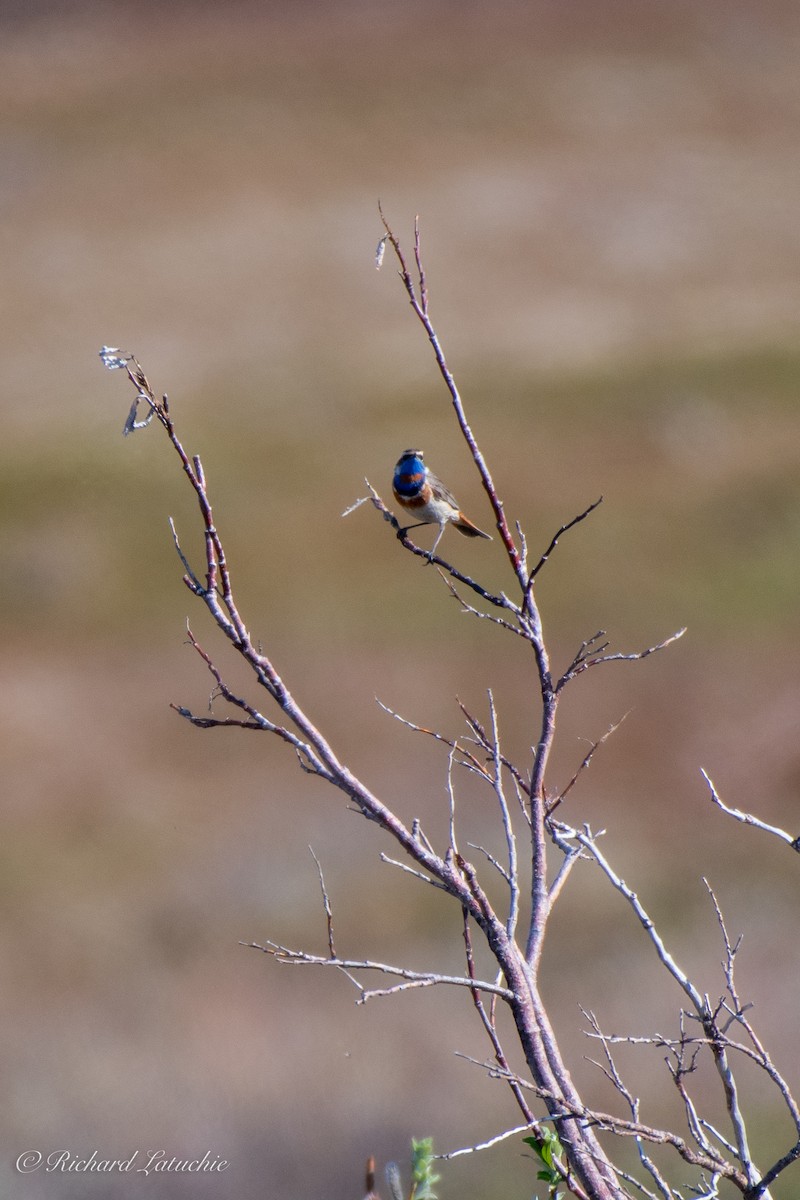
x=609 y=204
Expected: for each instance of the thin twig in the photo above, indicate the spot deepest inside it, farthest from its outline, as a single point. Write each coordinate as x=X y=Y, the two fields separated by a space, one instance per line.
x=552 y=805
x=498 y=600
x=483 y=616
x=494 y=1141
x=393 y=862
x=748 y=818
x=326 y=904
x=257 y=719
x=467 y=759
x=625 y=1128
x=505 y=819
x=419 y=303
x=612 y=1073
x=301 y=958
x=191 y=578
x=580 y=664
x=451 y=802
x=484 y=740
x=557 y=537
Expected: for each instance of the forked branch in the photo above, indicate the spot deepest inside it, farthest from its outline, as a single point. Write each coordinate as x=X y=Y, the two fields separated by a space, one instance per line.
x=530 y=840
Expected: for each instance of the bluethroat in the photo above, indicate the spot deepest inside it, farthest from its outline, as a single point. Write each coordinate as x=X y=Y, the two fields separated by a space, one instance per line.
x=421 y=493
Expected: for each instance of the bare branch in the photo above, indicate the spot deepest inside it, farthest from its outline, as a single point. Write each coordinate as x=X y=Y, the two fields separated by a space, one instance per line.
x=588 y=841
x=588 y=1172
x=489 y=1024
x=494 y=1141
x=483 y=616
x=612 y=1073
x=757 y=1053
x=748 y=818
x=557 y=537
x=552 y=805
x=499 y=601
x=483 y=739
x=711 y=1162
x=505 y=818
x=451 y=802
x=490 y=858
x=717 y=1041
x=467 y=759
x=769 y=1177
x=192 y=582
x=393 y=862
x=326 y=904
x=589 y=657
x=419 y=303
x=301 y=958
x=571 y=856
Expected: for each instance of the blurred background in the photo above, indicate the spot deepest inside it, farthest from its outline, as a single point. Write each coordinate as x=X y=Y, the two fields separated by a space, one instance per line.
x=608 y=194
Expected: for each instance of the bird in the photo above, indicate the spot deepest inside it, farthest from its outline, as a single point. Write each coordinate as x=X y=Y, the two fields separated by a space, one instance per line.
x=421 y=493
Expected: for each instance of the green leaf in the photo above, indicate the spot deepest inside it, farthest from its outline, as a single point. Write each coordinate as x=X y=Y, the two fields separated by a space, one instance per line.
x=422 y=1172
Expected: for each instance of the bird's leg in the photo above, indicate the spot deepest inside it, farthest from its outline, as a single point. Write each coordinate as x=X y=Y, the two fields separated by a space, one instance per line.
x=401 y=533
x=432 y=550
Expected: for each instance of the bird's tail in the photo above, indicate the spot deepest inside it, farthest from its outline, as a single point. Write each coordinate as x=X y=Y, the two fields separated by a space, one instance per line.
x=465 y=526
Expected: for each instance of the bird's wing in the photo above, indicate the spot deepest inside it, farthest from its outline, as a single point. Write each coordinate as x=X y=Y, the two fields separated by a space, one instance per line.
x=440 y=490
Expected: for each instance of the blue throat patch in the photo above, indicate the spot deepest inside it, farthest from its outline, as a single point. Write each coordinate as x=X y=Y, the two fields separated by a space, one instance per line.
x=409 y=476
